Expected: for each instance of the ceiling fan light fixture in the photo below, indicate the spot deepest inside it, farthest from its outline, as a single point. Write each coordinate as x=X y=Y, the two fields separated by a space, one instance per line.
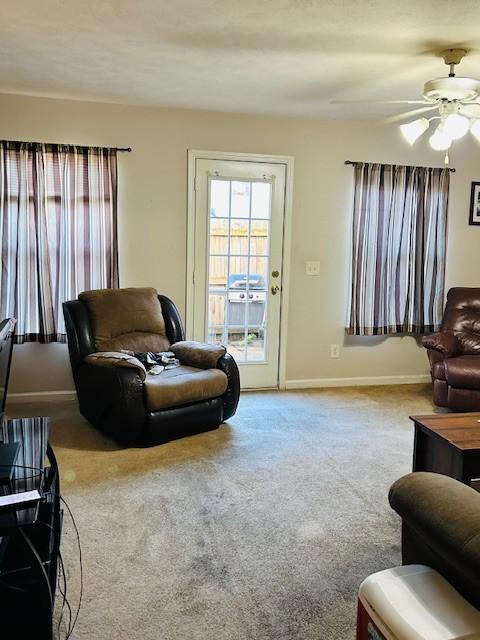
x=475 y=129
x=455 y=126
x=440 y=141
x=413 y=130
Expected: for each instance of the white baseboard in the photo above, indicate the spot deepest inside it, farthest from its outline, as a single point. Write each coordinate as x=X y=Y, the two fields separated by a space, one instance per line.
x=40 y=396
x=309 y=383
x=317 y=383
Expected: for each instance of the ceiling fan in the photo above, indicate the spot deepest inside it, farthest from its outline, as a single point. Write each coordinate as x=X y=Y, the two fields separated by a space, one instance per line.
x=456 y=101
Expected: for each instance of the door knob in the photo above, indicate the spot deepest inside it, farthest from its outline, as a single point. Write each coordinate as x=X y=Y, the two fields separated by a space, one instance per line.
x=275 y=289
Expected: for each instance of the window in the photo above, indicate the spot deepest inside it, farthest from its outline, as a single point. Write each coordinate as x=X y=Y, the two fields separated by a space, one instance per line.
x=58 y=232
x=399 y=242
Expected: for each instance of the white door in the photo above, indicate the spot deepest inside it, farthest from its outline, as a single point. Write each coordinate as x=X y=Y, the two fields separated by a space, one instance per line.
x=238 y=247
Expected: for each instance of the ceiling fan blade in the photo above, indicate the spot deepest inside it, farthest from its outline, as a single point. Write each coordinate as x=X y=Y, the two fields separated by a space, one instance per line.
x=471 y=110
x=409 y=114
x=380 y=102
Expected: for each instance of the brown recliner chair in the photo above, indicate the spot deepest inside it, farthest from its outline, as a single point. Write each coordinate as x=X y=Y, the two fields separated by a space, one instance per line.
x=115 y=392
x=454 y=352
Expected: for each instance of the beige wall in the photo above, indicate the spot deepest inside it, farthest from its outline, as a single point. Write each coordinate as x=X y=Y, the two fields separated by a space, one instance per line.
x=152 y=217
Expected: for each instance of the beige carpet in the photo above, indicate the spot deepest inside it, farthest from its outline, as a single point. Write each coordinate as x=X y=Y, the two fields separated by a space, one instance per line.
x=262 y=529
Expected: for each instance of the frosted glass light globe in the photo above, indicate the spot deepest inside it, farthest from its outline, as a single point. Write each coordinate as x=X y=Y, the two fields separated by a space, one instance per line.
x=413 y=130
x=440 y=141
x=456 y=126
x=475 y=129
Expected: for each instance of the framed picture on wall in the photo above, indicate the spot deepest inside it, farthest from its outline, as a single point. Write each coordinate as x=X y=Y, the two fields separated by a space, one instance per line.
x=475 y=204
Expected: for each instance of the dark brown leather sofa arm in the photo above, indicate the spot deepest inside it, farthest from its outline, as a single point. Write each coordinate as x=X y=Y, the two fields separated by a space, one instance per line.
x=231 y=396
x=112 y=400
x=198 y=354
x=114 y=359
x=441 y=528
x=443 y=342
x=210 y=356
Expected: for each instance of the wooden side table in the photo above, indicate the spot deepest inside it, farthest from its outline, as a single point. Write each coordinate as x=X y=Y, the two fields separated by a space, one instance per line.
x=448 y=443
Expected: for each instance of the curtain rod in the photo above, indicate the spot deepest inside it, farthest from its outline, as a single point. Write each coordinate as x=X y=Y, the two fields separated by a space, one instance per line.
x=61 y=144
x=412 y=166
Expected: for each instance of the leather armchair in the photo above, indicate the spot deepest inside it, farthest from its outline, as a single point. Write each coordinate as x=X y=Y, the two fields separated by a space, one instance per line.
x=118 y=397
x=454 y=352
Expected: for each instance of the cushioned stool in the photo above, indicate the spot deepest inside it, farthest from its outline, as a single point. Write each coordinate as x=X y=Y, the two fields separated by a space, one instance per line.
x=414 y=602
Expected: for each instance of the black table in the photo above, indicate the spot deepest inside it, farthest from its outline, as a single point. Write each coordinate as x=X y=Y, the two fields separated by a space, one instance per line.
x=448 y=443
x=30 y=537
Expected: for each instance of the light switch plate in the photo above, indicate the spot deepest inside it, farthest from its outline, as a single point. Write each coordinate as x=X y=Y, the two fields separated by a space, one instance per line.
x=312 y=268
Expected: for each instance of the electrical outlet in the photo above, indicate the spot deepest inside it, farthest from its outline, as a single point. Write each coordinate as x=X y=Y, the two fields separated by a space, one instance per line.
x=312 y=268
x=334 y=350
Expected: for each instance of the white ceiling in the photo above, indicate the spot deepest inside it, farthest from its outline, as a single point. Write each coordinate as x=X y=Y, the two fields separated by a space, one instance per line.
x=287 y=57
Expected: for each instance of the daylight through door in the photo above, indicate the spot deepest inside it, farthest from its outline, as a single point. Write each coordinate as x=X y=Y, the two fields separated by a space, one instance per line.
x=238 y=263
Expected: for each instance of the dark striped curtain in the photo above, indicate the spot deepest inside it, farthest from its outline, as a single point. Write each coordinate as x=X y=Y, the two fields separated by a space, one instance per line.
x=399 y=245
x=32 y=436
x=58 y=231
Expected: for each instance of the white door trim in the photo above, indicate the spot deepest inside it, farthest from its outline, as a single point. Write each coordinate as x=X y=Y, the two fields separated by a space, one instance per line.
x=288 y=161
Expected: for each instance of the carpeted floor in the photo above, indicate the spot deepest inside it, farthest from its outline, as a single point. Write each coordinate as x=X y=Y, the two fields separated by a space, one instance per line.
x=262 y=529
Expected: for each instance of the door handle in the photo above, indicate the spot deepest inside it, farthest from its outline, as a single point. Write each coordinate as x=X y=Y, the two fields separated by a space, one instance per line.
x=275 y=289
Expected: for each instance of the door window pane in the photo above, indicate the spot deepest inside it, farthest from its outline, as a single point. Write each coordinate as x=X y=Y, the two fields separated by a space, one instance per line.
x=218 y=237
x=240 y=199
x=259 y=238
x=258 y=273
x=237 y=278
x=218 y=273
x=219 y=198
x=239 y=236
x=237 y=344
x=216 y=309
x=239 y=245
x=255 y=344
x=261 y=196
x=256 y=309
